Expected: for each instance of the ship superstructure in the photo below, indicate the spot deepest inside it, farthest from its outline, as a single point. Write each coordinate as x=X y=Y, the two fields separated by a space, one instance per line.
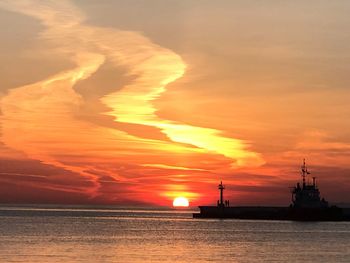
x=307 y=195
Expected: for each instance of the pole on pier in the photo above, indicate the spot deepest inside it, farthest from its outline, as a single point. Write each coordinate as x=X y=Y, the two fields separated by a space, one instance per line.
x=221 y=188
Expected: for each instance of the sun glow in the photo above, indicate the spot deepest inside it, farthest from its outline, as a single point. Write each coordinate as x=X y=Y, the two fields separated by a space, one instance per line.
x=144 y=142
x=181 y=202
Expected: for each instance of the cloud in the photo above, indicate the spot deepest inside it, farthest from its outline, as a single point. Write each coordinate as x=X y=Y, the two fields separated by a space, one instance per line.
x=41 y=119
x=320 y=148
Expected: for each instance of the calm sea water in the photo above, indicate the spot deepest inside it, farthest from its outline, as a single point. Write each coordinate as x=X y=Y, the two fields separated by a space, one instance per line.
x=151 y=235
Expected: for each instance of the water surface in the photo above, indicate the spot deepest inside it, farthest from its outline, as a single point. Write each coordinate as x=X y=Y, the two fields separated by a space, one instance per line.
x=66 y=234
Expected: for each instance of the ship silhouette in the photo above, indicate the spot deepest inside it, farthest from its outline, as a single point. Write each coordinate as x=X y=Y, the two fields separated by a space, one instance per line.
x=306 y=205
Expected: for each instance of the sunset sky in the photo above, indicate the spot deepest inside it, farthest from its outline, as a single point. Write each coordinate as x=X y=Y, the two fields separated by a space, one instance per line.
x=136 y=102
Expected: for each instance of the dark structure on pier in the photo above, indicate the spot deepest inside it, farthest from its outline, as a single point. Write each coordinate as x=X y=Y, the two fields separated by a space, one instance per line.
x=221 y=202
x=307 y=205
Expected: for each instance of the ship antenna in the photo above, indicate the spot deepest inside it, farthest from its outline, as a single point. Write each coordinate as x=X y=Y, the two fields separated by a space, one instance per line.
x=303 y=172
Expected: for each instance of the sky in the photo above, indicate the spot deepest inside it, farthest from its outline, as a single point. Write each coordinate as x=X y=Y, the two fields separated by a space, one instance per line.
x=136 y=102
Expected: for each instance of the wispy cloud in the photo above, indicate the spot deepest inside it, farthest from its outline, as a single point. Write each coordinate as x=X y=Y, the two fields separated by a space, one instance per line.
x=40 y=119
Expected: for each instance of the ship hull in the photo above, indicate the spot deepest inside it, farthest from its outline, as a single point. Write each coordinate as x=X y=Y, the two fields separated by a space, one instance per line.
x=275 y=213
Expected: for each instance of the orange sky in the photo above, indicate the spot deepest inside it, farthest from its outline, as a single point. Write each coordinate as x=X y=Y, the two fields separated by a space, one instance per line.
x=137 y=102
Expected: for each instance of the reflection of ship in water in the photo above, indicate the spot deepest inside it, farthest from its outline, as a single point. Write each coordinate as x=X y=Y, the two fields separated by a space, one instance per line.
x=306 y=205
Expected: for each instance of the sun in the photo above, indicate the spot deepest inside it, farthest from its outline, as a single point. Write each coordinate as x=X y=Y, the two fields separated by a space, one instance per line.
x=181 y=202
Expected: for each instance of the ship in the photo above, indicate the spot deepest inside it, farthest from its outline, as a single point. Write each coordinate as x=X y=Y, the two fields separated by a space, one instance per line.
x=306 y=205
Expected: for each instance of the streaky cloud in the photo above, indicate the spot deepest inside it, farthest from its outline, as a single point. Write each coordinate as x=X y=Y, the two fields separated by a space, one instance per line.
x=40 y=119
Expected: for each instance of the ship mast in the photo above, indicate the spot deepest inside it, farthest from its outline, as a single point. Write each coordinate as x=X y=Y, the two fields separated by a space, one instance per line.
x=304 y=172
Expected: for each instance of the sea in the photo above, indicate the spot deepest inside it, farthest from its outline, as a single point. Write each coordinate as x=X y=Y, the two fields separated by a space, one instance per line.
x=128 y=234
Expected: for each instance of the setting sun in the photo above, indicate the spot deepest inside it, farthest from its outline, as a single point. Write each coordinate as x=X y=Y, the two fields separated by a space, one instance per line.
x=180 y=202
